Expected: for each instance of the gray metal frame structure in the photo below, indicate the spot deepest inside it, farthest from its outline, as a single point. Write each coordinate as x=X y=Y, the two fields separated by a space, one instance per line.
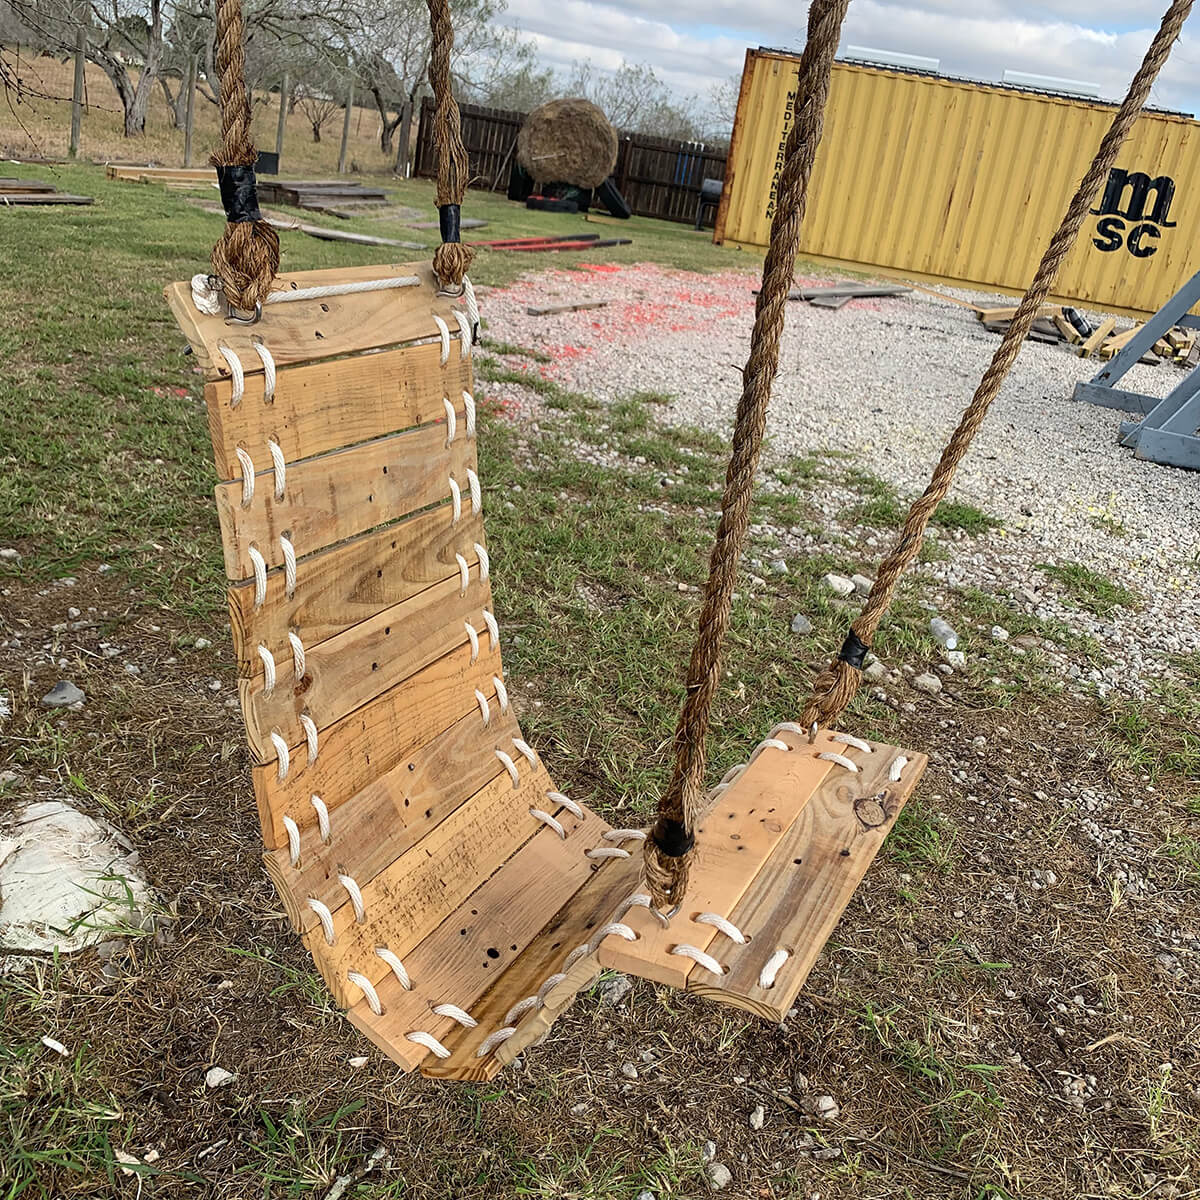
x=1167 y=430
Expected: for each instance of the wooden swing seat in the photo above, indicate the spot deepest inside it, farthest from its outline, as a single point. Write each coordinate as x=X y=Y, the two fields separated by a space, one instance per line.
x=443 y=885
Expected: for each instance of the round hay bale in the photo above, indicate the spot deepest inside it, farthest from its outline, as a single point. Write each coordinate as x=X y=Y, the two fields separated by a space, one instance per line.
x=568 y=141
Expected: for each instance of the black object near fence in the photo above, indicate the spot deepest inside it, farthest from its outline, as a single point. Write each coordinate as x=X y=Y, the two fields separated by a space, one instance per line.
x=659 y=177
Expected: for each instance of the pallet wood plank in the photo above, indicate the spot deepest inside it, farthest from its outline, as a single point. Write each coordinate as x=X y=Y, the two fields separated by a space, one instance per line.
x=386 y=819
x=800 y=894
x=326 y=405
x=337 y=496
x=475 y=945
x=734 y=840
x=343 y=585
x=304 y=330
x=348 y=670
x=1090 y=344
x=371 y=740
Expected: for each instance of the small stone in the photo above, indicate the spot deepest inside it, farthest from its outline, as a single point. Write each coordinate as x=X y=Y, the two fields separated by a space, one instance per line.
x=839 y=585
x=875 y=672
x=214 y=685
x=218 y=1077
x=63 y=694
x=358 y=1061
x=708 y=1152
x=131 y=1160
x=862 y=585
x=132 y=669
x=202 y=643
x=801 y=624
x=718 y=1176
x=103 y=568
x=778 y=566
x=999 y=633
x=645 y=1195
x=629 y=1070
x=57 y=1046
x=944 y=669
x=73 y=614
x=8 y=554
x=758 y=1117
x=826 y=1107
x=930 y=684
x=65 y=581
x=614 y=990
x=956 y=658
x=577 y=1110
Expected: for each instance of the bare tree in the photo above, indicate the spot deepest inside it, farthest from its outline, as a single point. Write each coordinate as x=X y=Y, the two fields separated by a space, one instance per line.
x=316 y=107
x=634 y=98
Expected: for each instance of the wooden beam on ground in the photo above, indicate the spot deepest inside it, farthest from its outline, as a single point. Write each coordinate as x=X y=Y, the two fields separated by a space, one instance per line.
x=1091 y=344
x=547 y=310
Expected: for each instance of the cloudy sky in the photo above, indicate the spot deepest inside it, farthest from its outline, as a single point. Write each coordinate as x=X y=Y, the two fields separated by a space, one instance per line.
x=692 y=46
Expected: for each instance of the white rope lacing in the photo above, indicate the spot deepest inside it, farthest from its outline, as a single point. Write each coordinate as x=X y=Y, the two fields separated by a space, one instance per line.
x=444 y=334
x=268 y=662
x=789 y=727
x=551 y=983
x=260 y=575
x=606 y=852
x=494 y=1039
x=766 y=977
x=282 y=753
x=510 y=767
x=322 y=811
x=464 y=574
x=698 y=956
x=298 y=662
x=356 y=897
x=519 y=1009
x=501 y=694
x=247 y=476
x=280 y=466
x=268 y=362
x=469 y=405
x=485 y=709
x=310 y=735
x=547 y=819
x=840 y=759
x=492 y=628
x=205 y=297
x=293 y=832
x=471 y=304
x=393 y=961
x=624 y=835
x=456 y=1014
x=770 y=743
x=421 y=1038
x=368 y=990
x=325 y=916
x=575 y=955
x=897 y=768
x=485 y=563
x=848 y=739
x=455 y=500
x=289 y=564
x=616 y=928
x=466 y=333
x=239 y=376
x=727 y=927
x=642 y=900
x=525 y=750
x=476 y=491
x=565 y=802
x=473 y=637
x=451 y=420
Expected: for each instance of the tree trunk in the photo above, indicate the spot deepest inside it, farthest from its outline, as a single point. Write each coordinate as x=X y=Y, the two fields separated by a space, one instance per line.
x=177 y=104
x=405 y=149
x=388 y=123
x=316 y=131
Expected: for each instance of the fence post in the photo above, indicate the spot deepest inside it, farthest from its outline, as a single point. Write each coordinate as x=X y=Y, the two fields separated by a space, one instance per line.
x=404 y=137
x=283 y=108
x=80 y=80
x=346 y=129
x=190 y=117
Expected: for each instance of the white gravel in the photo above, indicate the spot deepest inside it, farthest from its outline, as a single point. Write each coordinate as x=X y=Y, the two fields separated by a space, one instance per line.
x=888 y=379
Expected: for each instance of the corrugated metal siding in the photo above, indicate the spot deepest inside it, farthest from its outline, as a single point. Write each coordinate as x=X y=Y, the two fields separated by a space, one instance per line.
x=961 y=181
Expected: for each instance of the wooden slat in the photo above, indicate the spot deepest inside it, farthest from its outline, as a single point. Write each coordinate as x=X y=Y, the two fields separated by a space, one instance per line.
x=457 y=963
x=305 y=330
x=734 y=840
x=573 y=925
x=347 y=671
x=374 y=828
x=323 y=406
x=804 y=888
x=371 y=741
x=1091 y=343
x=334 y=497
x=341 y=586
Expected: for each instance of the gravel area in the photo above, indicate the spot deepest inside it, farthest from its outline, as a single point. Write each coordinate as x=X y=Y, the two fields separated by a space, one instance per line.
x=888 y=379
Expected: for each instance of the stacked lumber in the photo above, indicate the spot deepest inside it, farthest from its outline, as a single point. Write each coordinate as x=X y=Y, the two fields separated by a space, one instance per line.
x=35 y=192
x=317 y=195
x=177 y=178
x=1057 y=325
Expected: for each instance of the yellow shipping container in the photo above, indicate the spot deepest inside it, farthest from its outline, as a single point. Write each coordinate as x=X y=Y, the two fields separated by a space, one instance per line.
x=930 y=177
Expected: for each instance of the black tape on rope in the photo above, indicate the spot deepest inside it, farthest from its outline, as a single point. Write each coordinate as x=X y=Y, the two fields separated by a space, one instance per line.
x=672 y=837
x=449 y=218
x=854 y=651
x=239 y=194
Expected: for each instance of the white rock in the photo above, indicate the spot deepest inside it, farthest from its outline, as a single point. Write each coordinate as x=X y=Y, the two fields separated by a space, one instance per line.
x=218 y=1077
x=718 y=1176
x=130 y=1161
x=839 y=585
x=614 y=990
x=708 y=1152
x=629 y=1070
x=875 y=672
x=73 y=614
x=801 y=624
x=779 y=566
x=927 y=683
x=57 y=1046
x=862 y=584
x=8 y=554
x=826 y=1107
x=202 y=643
x=758 y=1117
x=359 y=1060
x=1000 y=633
x=63 y=694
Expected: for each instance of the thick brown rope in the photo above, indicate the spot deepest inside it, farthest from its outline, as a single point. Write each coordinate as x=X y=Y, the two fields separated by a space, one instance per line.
x=667 y=849
x=835 y=686
x=452 y=259
x=247 y=256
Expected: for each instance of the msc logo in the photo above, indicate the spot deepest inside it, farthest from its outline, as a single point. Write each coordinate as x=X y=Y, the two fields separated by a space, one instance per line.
x=1124 y=204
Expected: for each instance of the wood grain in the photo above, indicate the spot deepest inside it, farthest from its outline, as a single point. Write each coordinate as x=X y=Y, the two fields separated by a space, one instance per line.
x=480 y=940
x=323 y=406
x=339 y=495
x=302 y=331
x=346 y=671
x=804 y=887
x=339 y=587
x=383 y=821
x=732 y=843
x=371 y=740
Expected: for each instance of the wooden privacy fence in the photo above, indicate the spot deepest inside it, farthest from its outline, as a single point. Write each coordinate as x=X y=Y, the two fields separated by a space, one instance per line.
x=659 y=177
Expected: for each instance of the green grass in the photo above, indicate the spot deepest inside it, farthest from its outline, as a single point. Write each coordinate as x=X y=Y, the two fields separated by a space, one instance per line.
x=1089 y=589
x=1160 y=736
x=956 y=514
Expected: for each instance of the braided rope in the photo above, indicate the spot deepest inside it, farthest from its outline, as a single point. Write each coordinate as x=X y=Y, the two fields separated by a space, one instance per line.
x=680 y=805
